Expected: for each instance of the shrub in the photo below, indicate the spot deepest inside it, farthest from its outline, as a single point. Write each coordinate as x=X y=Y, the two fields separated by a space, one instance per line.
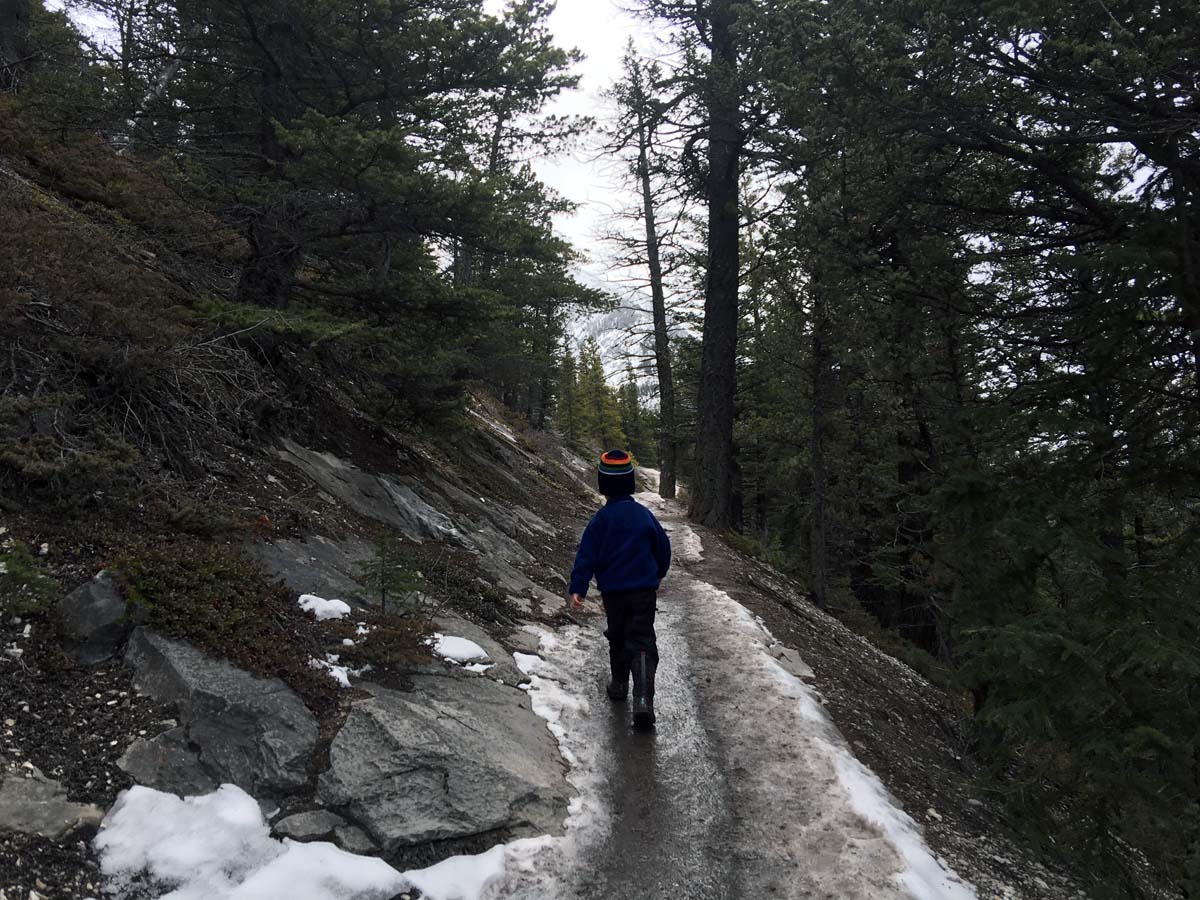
x=24 y=588
x=216 y=598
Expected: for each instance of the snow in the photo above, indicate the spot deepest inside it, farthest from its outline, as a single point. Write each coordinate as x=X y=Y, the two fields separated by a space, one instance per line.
x=479 y=668
x=686 y=546
x=457 y=649
x=338 y=672
x=560 y=692
x=324 y=609
x=468 y=877
x=218 y=847
x=922 y=875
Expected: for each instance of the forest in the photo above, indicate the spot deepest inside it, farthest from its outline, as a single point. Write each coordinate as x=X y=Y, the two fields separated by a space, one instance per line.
x=920 y=282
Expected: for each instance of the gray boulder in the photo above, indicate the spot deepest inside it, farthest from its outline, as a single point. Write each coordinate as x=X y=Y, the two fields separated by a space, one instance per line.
x=354 y=840
x=381 y=497
x=95 y=620
x=453 y=759
x=34 y=804
x=236 y=727
x=309 y=826
x=316 y=565
x=167 y=762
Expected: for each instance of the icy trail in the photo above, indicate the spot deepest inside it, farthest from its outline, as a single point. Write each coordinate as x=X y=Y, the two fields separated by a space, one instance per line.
x=747 y=789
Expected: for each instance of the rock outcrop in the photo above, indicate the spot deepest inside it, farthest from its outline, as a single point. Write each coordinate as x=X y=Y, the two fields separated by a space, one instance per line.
x=316 y=565
x=381 y=497
x=34 y=804
x=96 y=620
x=234 y=727
x=454 y=759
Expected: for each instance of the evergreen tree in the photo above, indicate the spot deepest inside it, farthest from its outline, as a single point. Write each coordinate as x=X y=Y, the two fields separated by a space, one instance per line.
x=639 y=113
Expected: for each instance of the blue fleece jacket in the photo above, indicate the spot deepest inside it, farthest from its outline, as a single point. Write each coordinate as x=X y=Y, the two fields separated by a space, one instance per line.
x=624 y=547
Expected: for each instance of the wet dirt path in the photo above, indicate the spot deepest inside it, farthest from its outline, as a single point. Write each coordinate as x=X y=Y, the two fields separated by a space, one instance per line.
x=668 y=798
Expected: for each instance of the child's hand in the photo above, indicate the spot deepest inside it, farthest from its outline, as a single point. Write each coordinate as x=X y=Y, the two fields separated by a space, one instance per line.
x=576 y=601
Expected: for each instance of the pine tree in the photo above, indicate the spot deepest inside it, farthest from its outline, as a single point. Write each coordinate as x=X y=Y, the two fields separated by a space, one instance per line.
x=389 y=574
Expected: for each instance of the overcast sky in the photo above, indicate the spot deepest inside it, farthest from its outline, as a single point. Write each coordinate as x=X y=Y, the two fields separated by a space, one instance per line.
x=600 y=29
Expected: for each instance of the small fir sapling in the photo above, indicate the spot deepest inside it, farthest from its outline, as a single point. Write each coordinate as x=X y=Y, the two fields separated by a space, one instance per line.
x=389 y=574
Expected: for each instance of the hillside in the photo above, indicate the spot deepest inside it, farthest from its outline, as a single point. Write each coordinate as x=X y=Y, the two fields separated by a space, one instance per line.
x=178 y=475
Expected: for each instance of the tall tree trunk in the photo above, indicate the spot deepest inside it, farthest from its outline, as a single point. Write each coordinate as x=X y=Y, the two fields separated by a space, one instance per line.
x=818 y=559
x=713 y=500
x=14 y=41
x=275 y=231
x=667 y=441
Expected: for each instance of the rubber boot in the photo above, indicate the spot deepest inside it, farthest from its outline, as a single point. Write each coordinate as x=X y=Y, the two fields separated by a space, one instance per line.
x=643 y=691
x=618 y=687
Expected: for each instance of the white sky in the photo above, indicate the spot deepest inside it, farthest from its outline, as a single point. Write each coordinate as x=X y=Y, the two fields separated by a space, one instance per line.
x=599 y=28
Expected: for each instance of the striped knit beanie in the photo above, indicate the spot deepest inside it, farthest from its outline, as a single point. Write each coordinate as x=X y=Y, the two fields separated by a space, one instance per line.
x=614 y=474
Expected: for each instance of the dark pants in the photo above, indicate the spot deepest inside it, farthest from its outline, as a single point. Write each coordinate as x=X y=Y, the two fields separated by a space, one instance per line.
x=630 y=626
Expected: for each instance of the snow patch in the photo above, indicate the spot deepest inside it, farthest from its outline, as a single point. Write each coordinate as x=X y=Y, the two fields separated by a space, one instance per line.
x=338 y=672
x=218 y=847
x=558 y=693
x=468 y=877
x=323 y=609
x=457 y=649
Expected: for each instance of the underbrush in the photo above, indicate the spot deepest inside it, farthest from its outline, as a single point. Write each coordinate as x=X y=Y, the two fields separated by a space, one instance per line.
x=850 y=613
x=25 y=589
x=123 y=192
x=217 y=599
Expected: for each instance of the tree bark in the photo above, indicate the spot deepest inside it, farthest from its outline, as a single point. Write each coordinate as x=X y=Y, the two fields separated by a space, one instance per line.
x=818 y=559
x=713 y=500
x=14 y=41
x=275 y=232
x=667 y=442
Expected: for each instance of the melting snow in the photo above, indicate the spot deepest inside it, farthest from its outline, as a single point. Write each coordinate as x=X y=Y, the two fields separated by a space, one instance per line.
x=338 y=672
x=458 y=649
x=218 y=847
x=924 y=876
x=322 y=608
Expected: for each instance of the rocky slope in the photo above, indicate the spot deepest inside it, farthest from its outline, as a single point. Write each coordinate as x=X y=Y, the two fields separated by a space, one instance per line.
x=167 y=611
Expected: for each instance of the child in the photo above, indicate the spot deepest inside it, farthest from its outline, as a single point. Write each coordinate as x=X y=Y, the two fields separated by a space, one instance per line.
x=629 y=553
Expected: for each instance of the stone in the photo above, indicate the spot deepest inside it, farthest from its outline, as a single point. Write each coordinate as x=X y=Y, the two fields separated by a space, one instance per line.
x=453 y=759
x=34 y=804
x=513 y=520
x=249 y=731
x=354 y=840
x=501 y=661
x=380 y=497
x=95 y=620
x=167 y=763
x=318 y=824
x=317 y=565
x=525 y=638
x=790 y=661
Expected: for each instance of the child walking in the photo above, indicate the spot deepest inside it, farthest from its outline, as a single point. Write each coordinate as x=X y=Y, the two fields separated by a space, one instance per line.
x=628 y=552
